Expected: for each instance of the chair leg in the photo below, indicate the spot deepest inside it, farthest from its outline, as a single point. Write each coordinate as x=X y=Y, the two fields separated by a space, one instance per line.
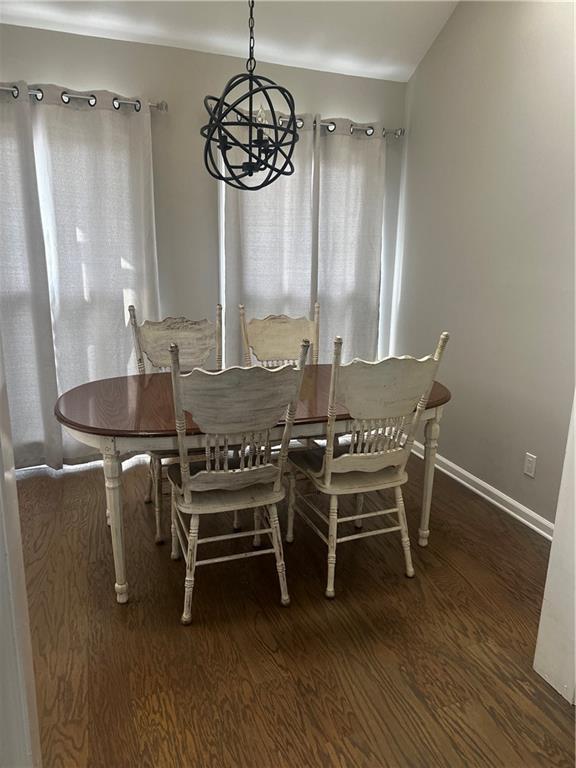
x=291 y=503
x=404 y=531
x=158 y=498
x=332 y=536
x=190 y=568
x=359 y=508
x=175 y=553
x=257 y=519
x=277 y=544
x=150 y=485
x=236 y=522
x=236 y=527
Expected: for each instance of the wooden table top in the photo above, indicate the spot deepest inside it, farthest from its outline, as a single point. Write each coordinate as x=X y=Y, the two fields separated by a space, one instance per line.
x=142 y=405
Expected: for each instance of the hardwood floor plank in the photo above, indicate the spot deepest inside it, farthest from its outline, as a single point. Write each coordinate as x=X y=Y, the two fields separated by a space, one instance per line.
x=526 y=707
x=58 y=616
x=477 y=737
x=429 y=672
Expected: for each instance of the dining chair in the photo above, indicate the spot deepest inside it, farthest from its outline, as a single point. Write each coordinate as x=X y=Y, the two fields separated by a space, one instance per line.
x=197 y=340
x=385 y=400
x=234 y=407
x=275 y=340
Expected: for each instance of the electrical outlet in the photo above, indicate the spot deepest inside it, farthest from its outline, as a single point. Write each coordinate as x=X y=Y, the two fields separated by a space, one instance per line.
x=530 y=465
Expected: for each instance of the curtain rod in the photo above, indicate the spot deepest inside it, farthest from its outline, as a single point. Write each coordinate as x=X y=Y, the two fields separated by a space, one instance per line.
x=162 y=106
x=369 y=130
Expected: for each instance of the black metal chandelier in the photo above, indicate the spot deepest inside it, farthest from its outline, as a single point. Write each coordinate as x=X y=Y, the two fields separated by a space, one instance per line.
x=249 y=141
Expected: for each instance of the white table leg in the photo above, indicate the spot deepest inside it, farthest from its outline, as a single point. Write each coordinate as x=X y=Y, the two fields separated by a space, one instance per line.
x=113 y=478
x=157 y=492
x=431 y=433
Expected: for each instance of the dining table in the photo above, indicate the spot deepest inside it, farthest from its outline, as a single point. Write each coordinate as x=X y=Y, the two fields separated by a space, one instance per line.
x=129 y=415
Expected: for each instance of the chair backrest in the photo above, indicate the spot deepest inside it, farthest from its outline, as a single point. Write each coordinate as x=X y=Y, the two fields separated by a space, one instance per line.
x=275 y=340
x=385 y=400
x=237 y=407
x=196 y=340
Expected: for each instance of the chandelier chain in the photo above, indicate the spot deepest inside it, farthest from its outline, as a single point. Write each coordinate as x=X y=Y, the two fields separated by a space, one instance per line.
x=251 y=63
x=250 y=148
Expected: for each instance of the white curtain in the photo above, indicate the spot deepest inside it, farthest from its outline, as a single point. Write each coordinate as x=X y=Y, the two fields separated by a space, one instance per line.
x=268 y=246
x=25 y=319
x=352 y=174
x=316 y=235
x=78 y=247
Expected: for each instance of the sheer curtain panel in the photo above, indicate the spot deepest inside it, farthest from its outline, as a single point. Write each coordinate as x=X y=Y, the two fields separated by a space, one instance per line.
x=316 y=235
x=25 y=319
x=96 y=250
x=351 y=177
x=268 y=260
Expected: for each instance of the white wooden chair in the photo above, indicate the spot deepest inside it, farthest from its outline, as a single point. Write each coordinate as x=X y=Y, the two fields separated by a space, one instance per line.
x=385 y=400
x=196 y=340
x=275 y=340
x=235 y=407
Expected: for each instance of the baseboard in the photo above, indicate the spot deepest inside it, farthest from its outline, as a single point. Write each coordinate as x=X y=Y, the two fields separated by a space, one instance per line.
x=493 y=495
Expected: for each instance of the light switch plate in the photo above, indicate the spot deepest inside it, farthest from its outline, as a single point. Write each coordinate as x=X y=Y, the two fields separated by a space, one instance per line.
x=530 y=465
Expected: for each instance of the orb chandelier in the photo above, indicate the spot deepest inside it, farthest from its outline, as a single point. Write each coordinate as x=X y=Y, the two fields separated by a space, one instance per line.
x=251 y=132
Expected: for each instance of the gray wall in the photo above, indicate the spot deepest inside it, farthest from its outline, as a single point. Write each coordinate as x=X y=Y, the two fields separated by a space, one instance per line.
x=489 y=239
x=186 y=196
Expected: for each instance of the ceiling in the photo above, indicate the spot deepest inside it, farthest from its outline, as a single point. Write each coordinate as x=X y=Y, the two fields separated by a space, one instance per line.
x=383 y=40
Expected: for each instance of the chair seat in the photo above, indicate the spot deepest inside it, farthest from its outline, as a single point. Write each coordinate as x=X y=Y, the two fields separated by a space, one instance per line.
x=169 y=454
x=223 y=501
x=310 y=464
x=198 y=454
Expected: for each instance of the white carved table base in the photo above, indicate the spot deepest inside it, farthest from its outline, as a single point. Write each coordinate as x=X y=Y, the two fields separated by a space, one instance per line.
x=112 y=448
x=431 y=421
x=115 y=514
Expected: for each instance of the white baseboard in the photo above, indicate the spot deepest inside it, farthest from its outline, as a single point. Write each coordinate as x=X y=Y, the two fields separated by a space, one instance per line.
x=519 y=511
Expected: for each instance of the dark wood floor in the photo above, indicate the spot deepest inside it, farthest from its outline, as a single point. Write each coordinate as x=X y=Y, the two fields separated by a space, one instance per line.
x=433 y=671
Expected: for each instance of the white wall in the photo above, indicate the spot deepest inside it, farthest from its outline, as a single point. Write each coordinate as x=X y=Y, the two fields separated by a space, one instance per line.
x=554 y=658
x=19 y=735
x=186 y=196
x=489 y=238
